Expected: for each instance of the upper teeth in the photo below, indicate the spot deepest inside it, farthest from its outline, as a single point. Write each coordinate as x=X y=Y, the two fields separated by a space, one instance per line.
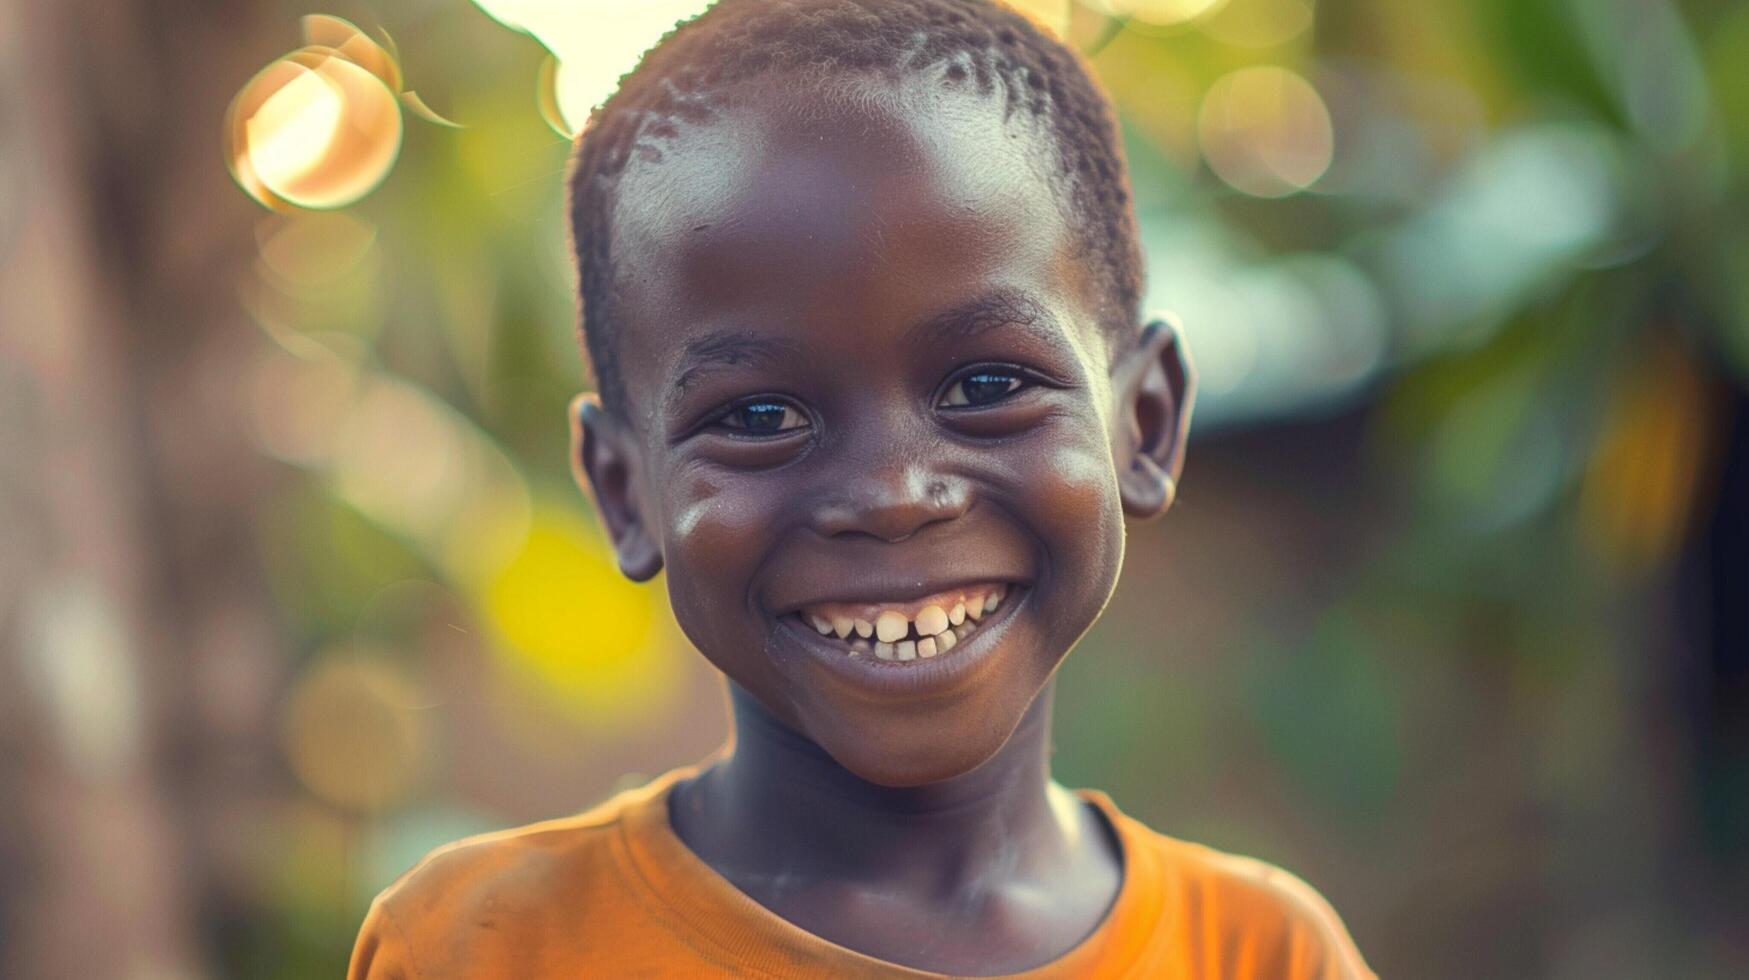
x=891 y=626
x=906 y=631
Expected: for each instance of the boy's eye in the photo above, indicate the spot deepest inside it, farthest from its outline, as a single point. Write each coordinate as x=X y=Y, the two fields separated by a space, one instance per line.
x=983 y=386
x=763 y=417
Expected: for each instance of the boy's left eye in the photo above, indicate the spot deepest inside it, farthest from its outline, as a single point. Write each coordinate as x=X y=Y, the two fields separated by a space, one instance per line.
x=763 y=417
x=983 y=386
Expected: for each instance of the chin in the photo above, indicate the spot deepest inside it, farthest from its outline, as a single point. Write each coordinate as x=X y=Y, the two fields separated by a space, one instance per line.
x=915 y=769
x=924 y=752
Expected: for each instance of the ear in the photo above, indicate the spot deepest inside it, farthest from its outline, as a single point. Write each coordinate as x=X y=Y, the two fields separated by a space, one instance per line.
x=603 y=462
x=1155 y=387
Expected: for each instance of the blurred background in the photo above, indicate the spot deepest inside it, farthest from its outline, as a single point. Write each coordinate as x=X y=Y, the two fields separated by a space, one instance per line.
x=1451 y=617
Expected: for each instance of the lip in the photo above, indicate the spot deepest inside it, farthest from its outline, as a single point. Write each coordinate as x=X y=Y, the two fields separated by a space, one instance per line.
x=894 y=680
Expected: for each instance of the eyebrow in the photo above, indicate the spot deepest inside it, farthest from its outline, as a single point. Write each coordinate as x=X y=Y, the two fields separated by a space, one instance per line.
x=1000 y=307
x=726 y=348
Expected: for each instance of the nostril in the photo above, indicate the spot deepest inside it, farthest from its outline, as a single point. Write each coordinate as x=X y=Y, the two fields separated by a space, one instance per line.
x=889 y=505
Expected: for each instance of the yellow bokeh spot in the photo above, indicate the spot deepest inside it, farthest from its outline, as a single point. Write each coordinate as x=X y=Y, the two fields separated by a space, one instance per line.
x=589 y=638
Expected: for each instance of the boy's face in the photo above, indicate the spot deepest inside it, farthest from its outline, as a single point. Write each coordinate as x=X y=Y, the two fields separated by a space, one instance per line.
x=865 y=378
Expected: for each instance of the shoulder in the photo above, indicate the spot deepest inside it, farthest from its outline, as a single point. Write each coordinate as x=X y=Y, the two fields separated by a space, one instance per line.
x=501 y=869
x=1255 y=889
x=1247 y=910
x=470 y=897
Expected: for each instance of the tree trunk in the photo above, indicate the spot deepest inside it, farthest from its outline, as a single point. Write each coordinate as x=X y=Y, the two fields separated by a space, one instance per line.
x=135 y=637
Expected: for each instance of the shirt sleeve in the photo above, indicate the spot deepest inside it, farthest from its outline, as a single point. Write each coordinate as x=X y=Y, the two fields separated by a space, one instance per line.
x=1321 y=948
x=381 y=952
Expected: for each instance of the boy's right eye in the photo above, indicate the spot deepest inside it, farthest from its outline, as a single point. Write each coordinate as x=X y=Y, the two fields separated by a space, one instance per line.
x=763 y=416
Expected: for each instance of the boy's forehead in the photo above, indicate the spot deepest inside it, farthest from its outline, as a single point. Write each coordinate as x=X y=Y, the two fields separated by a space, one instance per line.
x=779 y=148
x=801 y=203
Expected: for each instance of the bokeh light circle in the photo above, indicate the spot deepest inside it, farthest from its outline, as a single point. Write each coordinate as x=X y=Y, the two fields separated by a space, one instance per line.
x=589 y=638
x=1259 y=23
x=1161 y=13
x=308 y=250
x=354 y=45
x=314 y=130
x=1265 y=131
x=353 y=731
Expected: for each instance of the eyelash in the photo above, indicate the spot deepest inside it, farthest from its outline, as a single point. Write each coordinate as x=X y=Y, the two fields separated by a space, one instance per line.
x=1023 y=378
x=991 y=370
x=746 y=432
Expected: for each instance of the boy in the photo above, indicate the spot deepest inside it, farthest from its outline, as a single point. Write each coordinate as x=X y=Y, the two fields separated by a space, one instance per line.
x=860 y=284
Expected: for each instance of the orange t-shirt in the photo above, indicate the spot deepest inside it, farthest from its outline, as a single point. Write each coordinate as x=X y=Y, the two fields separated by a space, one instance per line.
x=614 y=892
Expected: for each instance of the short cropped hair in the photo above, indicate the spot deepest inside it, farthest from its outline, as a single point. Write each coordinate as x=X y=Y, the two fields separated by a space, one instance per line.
x=957 y=43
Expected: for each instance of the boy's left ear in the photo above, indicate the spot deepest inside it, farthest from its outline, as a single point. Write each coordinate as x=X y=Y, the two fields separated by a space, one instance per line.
x=1155 y=388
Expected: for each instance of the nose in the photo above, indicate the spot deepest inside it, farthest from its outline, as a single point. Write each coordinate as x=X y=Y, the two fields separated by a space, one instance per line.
x=891 y=501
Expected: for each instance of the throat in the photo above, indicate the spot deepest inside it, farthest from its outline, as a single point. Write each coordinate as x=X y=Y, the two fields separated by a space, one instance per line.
x=996 y=870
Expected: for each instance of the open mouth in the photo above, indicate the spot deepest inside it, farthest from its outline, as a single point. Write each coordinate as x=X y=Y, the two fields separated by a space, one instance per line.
x=907 y=631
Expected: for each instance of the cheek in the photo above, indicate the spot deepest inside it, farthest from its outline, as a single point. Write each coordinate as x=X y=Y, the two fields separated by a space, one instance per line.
x=712 y=535
x=1077 y=512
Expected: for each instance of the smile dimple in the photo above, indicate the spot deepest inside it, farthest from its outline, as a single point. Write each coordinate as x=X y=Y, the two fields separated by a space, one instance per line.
x=909 y=630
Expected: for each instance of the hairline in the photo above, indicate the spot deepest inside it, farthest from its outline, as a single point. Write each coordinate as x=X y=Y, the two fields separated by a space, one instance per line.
x=1089 y=214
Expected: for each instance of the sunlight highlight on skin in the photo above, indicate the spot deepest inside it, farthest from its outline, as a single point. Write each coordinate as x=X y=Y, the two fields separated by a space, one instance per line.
x=690 y=518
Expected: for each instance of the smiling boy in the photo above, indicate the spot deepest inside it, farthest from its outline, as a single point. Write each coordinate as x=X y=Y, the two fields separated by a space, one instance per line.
x=860 y=284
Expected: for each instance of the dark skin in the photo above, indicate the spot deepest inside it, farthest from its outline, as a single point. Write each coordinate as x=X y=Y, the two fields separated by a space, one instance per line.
x=864 y=363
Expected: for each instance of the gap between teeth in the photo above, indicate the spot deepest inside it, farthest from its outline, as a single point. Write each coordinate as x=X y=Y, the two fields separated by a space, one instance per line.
x=935 y=630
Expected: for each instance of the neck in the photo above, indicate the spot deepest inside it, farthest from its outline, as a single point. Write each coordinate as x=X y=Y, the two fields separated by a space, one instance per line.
x=777 y=803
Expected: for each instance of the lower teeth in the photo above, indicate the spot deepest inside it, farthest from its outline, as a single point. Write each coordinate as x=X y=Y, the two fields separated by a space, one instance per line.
x=859 y=646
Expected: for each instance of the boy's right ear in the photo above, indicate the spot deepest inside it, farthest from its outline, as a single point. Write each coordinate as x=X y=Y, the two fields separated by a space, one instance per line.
x=603 y=462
